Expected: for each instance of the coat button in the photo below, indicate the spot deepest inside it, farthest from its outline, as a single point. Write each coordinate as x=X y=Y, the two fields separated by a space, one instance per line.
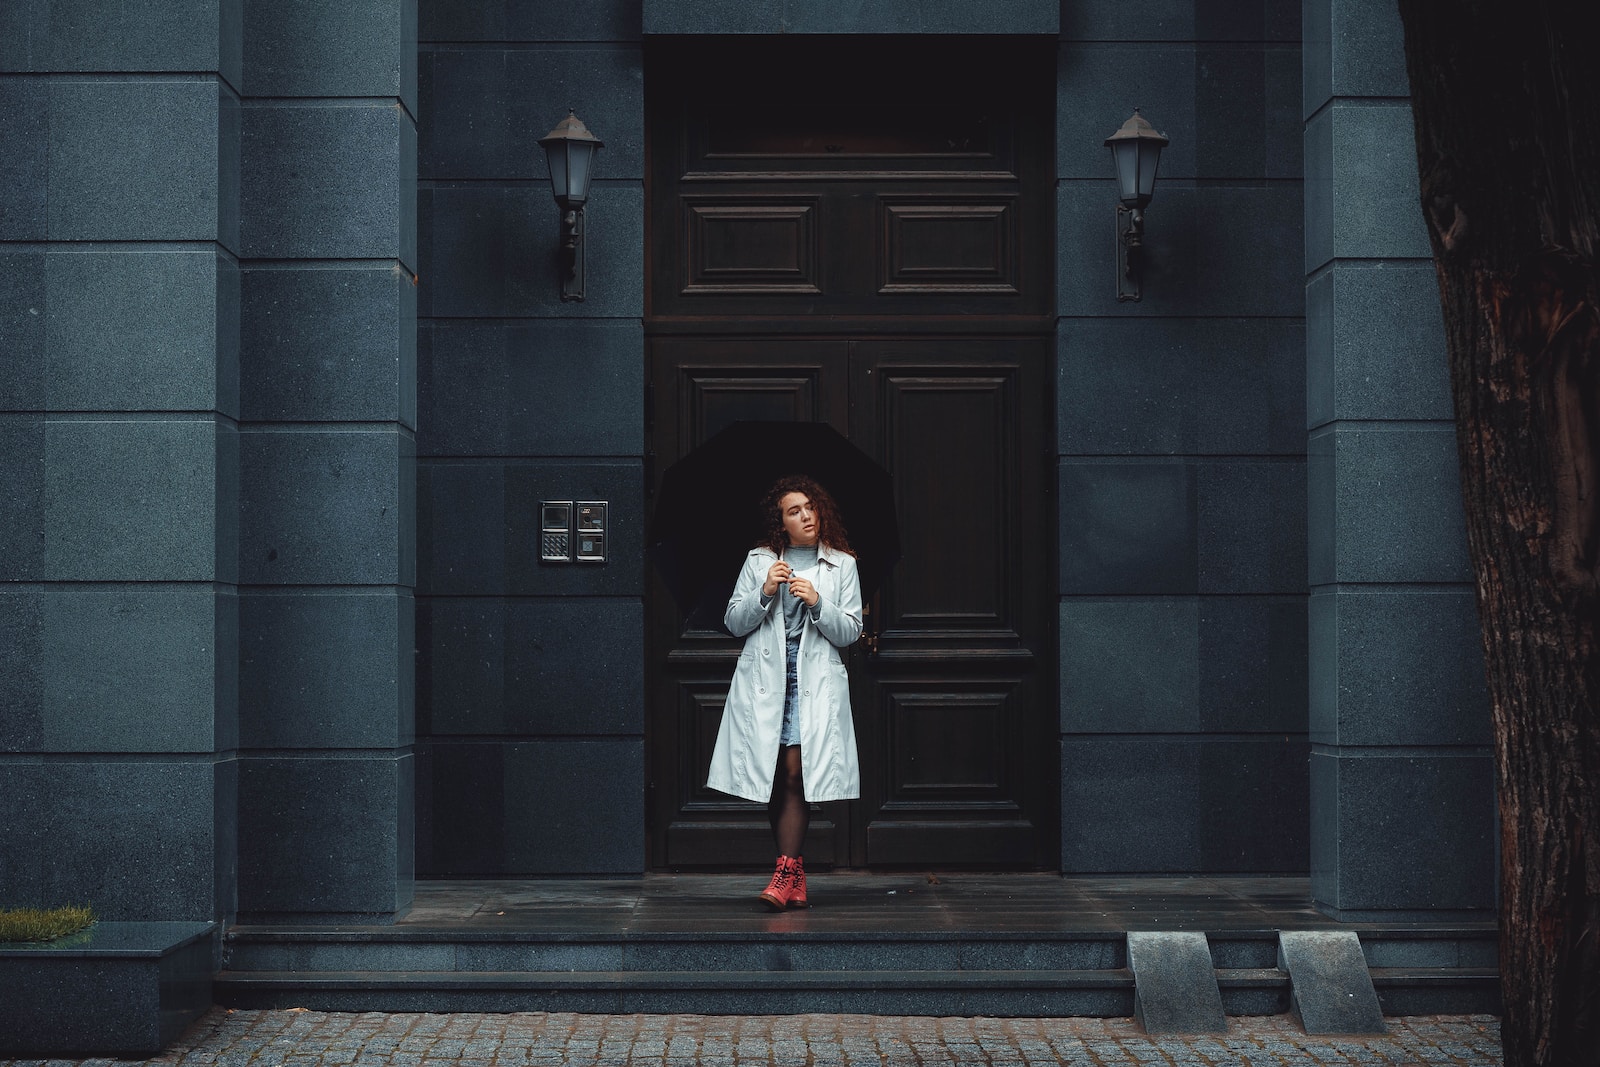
x=762 y=692
x=766 y=651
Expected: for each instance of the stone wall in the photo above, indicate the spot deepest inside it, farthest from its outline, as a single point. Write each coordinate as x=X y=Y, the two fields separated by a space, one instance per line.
x=1182 y=468
x=530 y=702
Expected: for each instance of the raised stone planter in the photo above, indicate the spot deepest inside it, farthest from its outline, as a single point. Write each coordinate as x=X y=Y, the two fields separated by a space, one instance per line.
x=119 y=988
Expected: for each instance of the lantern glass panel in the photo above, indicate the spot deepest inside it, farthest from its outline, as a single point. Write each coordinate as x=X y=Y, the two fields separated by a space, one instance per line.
x=1125 y=155
x=579 y=156
x=556 y=156
x=1149 y=159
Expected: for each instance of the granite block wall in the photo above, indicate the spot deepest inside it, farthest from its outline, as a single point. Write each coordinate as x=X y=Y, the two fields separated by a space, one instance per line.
x=119 y=406
x=1182 y=461
x=530 y=677
x=327 y=460
x=283 y=346
x=1400 y=763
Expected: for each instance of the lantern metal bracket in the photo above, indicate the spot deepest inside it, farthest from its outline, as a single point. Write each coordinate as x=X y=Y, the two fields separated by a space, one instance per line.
x=1130 y=252
x=572 y=258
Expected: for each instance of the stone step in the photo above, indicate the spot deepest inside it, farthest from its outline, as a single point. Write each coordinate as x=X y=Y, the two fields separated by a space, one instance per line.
x=1253 y=990
x=1019 y=993
x=1438 y=990
x=390 y=949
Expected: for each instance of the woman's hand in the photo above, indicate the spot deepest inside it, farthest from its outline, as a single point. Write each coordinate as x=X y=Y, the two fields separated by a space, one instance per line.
x=777 y=574
x=802 y=588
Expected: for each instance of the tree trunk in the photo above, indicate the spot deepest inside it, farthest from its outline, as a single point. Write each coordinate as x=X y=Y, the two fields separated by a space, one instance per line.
x=1506 y=102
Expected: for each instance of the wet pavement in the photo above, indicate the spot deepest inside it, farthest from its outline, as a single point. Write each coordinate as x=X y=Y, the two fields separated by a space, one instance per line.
x=298 y=1038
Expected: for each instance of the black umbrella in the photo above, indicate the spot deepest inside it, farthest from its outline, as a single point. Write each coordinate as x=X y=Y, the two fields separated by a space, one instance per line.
x=707 y=514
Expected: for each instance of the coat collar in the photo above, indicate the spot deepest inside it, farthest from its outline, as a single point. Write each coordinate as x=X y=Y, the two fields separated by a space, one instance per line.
x=827 y=555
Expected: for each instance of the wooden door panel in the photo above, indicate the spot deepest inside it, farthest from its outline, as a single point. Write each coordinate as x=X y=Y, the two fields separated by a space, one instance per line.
x=948 y=745
x=953 y=760
x=946 y=435
x=948 y=244
x=751 y=243
x=703 y=385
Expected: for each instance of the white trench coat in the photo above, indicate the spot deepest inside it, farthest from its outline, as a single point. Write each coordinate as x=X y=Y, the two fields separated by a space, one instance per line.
x=746 y=756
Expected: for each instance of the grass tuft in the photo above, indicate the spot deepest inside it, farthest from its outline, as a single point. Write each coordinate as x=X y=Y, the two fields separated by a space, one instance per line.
x=44 y=924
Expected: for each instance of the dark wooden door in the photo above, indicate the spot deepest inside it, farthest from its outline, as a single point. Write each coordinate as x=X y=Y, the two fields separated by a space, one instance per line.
x=876 y=256
x=957 y=709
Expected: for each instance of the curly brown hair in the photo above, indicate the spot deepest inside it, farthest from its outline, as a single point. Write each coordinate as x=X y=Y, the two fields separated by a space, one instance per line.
x=830 y=527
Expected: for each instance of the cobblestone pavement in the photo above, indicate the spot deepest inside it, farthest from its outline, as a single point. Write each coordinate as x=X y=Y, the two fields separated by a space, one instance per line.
x=299 y=1038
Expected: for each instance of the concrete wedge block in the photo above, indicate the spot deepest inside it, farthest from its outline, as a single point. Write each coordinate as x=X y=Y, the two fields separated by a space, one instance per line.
x=1331 y=988
x=1175 y=983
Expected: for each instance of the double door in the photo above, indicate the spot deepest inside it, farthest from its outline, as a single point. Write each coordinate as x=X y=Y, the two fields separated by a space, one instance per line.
x=858 y=232
x=954 y=706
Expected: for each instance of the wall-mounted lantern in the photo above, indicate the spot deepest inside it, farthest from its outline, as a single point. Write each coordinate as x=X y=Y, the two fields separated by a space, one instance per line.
x=1136 y=150
x=570 y=150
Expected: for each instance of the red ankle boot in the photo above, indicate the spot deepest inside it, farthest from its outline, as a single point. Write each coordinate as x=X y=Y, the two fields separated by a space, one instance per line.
x=778 y=891
x=797 y=884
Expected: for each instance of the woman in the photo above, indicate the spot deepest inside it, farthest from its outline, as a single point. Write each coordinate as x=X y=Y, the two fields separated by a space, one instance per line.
x=786 y=735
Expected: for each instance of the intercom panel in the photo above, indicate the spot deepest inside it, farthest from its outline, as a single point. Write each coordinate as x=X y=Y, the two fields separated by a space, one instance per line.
x=555 y=531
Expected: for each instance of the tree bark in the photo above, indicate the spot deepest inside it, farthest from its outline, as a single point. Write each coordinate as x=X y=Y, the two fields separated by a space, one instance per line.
x=1506 y=102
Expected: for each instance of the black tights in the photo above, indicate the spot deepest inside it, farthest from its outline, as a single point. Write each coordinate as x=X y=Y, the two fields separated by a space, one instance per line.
x=788 y=811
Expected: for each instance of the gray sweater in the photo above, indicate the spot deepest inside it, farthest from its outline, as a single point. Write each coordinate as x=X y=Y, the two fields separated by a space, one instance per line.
x=799 y=558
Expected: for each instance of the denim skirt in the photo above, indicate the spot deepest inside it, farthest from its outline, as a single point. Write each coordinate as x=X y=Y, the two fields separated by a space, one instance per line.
x=790 y=734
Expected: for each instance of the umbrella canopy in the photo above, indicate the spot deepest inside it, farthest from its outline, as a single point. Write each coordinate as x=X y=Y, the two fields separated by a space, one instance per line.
x=708 y=516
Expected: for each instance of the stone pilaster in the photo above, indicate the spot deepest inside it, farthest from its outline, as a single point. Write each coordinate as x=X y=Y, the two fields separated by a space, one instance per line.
x=1401 y=775
x=327 y=459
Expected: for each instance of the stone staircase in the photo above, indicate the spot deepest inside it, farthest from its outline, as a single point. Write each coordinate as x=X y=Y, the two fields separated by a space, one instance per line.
x=869 y=971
